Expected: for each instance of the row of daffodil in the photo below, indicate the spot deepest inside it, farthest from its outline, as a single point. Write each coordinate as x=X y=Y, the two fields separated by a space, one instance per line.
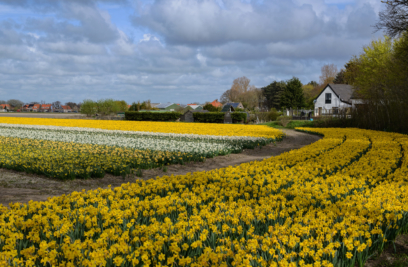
x=60 y=155
x=162 y=143
x=332 y=203
x=156 y=127
x=64 y=160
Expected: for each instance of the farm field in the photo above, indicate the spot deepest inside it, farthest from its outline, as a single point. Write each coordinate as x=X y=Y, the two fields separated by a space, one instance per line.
x=332 y=203
x=22 y=187
x=69 y=149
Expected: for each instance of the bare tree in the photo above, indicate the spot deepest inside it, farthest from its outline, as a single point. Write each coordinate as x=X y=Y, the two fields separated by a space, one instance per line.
x=56 y=104
x=240 y=85
x=394 y=20
x=71 y=104
x=329 y=73
x=15 y=103
x=252 y=97
x=226 y=97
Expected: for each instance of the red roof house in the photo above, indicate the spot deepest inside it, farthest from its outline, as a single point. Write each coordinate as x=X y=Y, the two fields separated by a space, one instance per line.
x=66 y=108
x=46 y=107
x=36 y=107
x=5 y=106
x=216 y=104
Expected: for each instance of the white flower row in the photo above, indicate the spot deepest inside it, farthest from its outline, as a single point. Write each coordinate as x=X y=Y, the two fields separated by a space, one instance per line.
x=116 y=138
x=137 y=133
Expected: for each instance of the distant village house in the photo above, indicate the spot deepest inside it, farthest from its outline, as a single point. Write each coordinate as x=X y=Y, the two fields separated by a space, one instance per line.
x=228 y=107
x=195 y=106
x=216 y=104
x=334 y=98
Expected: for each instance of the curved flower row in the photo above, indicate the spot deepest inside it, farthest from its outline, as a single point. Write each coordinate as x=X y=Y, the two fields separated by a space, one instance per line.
x=332 y=203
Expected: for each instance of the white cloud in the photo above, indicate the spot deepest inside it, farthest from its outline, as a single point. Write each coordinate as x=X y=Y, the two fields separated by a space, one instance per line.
x=206 y=23
x=180 y=50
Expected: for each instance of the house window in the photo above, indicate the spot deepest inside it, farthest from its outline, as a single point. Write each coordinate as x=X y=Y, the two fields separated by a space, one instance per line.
x=335 y=110
x=328 y=98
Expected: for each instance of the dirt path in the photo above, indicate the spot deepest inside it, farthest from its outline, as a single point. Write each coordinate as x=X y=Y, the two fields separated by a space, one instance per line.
x=22 y=187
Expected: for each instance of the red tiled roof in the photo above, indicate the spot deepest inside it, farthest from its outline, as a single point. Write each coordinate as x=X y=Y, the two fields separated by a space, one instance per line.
x=46 y=105
x=66 y=107
x=5 y=105
x=216 y=104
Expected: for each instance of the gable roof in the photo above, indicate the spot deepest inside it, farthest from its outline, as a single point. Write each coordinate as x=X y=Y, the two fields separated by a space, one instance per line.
x=234 y=105
x=164 y=105
x=343 y=91
x=227 y=108
x=216 y=104
x=46 y=105
x=194 y=106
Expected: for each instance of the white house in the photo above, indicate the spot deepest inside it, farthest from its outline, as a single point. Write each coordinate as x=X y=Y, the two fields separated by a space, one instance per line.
x=333 y=98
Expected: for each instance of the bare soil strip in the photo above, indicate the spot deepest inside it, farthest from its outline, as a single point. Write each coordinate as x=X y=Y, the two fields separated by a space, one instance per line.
x=22 y=187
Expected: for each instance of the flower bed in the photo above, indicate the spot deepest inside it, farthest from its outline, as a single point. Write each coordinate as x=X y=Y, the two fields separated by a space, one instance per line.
x=333 y=203
x=156 y=127
x=82 y=152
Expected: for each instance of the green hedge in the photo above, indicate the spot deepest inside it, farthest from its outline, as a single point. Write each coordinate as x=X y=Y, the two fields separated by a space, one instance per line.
x=218 y=117
x=238 y=116
x=210 y=117
x=151 y=116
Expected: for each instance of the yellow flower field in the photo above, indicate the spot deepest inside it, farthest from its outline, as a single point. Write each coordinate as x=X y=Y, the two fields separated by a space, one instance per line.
x=45 y=147
x=160 y=127
x=65 y=161
x=332 y=203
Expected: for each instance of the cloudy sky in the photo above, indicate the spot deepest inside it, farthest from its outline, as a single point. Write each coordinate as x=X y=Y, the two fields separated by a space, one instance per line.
x=171 y=50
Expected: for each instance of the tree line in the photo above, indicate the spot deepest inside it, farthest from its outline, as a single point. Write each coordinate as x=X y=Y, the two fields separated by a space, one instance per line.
x=281 y=94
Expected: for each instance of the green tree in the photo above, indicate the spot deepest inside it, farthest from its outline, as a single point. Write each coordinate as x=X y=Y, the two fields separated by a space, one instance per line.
x=122 y=105
x=272 y=94
x=210 y=108
x=309 y=95
x=372 y=69
x=351 y=71
x=88 y=107
x=379 y=77
x=340 y=79
x=312 y=83
x=292 y=96
x=107 y=107
x=135 y=106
